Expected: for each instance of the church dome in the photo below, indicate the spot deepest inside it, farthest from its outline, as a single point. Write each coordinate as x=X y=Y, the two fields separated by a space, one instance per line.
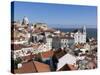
x=25 y=20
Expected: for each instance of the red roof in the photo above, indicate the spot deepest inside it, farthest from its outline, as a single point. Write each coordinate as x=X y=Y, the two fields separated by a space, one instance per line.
x=68 y=67
x=31 y=67
x=19 y=46
x=47 y=54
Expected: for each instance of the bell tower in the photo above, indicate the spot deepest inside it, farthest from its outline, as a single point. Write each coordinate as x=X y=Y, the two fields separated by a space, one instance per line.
x=84 y=29
x=84 y=34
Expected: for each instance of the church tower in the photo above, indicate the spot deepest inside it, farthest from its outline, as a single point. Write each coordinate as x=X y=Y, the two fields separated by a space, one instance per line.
x=84 y=29
x=84 y=34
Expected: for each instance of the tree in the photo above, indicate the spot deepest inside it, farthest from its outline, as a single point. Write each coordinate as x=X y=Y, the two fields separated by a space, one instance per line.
x=16 y=62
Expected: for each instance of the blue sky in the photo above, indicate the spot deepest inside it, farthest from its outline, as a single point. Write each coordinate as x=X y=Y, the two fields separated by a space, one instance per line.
x=57 y=15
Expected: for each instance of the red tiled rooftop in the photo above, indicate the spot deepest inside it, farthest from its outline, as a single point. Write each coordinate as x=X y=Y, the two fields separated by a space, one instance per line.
x=31 y=67
x=26 y=68
x=41 y=67
x=19 y=46
x=68 y=67
x=47 y=54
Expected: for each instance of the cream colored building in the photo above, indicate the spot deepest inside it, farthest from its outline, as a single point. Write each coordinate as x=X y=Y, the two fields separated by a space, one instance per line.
x=40 y=26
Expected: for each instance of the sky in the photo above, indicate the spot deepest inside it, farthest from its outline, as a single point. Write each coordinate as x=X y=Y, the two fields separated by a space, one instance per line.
x=56 y=15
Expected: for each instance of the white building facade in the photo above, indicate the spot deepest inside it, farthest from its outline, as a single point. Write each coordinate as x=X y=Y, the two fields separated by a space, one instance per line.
x=80 y=37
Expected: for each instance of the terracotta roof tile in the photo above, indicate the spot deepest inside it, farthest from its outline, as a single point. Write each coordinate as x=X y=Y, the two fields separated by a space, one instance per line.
x=47 y=54
x=41 y=67
x=31 y=67
x=26 y=68
x=18 y=46
x=68 y=67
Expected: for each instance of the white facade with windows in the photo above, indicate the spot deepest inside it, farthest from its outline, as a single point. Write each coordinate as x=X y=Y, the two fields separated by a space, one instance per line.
x=49 y=43
x=80 y=37
x=64 y=43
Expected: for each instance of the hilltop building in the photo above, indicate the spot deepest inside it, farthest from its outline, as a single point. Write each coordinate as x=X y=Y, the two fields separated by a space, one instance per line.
x=25 y=21
x=40 y=26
